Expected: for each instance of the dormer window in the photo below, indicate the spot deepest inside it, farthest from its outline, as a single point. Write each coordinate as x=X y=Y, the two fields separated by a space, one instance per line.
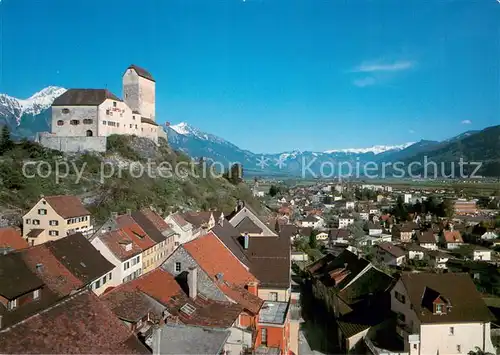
x=128 y=247
x=12 y=305
x=65 y=111
x=439 y=308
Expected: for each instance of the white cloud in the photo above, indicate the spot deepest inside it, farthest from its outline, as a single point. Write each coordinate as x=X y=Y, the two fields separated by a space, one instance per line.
x=364 y=82
x=466 y=122
x=378 y=67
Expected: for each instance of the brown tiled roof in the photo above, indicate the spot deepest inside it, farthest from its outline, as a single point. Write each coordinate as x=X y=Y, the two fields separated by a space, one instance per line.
x=135 y=232
x=34 y=233
x=156 y=219
x=11 y=238
x=148 y=226
x=215 y=259
x=392 y=249
x=338 y=233
x=453 y=237
x=116 y=240
x=130 y=305
x=84 y=97
x=80 y=257
x=67 y=206
x=16 y=278
x=81 y=324
x=426 y=237
x=227 y=234
x=54 y=274
x=148 y=121
x=179 y=219
x=270 y=260
x=246 y=225
x=141 y=72
x=459 y=289
x=197 y=218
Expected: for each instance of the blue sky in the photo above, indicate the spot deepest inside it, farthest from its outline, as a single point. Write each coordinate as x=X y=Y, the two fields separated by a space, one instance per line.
x=273 y=75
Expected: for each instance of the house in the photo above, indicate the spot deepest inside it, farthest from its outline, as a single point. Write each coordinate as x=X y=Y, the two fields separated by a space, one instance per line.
x=415 y=251
x=173 y=339
x=11 y=239
x=390 y=254
x=440 y=314
x=426 y=239
x=345 y=220
x=405 y=232
x=202 y=221
x=463 y=206
x=369 y=240
x=120 y=250
x=93 y=114
x=374 y=229
x=481 y=254
x=489 y=235
x=78 y=324
x=55 y=217
x=451 y=239
x=245 y=220
x=322 y=236
x=438 y=259
x=273 y=328
x=83 y=261
x=159 y=298
x=353 y=292
x=339 y=236
x=312 y=221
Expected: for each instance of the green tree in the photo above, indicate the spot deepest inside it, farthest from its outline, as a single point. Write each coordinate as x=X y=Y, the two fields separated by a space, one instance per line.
x=235 y=174
x=6 y=142
x=313 y=243
x=478 y=351
x=273 y=190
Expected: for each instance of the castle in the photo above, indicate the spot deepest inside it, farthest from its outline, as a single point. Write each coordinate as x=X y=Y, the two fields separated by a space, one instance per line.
x=83 y=118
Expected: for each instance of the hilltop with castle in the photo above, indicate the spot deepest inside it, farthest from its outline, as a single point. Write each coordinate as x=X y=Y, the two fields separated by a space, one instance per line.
x=83 y=118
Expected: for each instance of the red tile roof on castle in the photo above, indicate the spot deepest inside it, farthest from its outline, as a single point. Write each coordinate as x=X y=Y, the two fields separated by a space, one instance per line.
x=54 y=274
x=67 y=206
x=11 y=238
x=80 y=324
x=224 y=269
x=135 y=232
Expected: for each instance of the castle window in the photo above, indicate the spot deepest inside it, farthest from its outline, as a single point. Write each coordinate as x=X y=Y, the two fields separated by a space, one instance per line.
x=135 y=126
x=89 y=133
x=117 y=124
x=74 y=122
x=60 y=122
x=88 y=121
x=130 y=126
x=65 y=111
x=133 y=117
x=103 y=122
x=114 y=103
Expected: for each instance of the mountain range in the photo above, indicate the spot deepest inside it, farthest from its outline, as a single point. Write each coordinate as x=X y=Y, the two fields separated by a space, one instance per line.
x=27 y=117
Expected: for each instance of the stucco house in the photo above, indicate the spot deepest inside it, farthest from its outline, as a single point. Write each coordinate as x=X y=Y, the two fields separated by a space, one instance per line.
x=183 y=228
x=441 y=314
x=481 y=254
x=345 y=220
x=245 y=220
x=390 y=254
x=55 y=217
x=427 y=239
x=451 y=239
x=81 y=116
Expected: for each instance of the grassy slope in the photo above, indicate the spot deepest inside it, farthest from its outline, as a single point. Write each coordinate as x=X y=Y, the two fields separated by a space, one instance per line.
x=118 y=193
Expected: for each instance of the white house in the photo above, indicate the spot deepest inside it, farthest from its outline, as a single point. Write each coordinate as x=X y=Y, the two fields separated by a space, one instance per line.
x=390 y=254
x=117 y=247
x=322 y=236
x=184 y=229
x=481 y=254
x=438 y=259
x=489 y=236
x=374 y=229
x=312 y=221
x=345 y=221
x=427 y=239
x=440 y=314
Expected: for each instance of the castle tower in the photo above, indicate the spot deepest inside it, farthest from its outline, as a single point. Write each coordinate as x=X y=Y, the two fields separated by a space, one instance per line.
x=139 y=91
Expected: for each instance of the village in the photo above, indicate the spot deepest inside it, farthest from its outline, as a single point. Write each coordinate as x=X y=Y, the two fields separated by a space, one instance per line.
x=331 y=268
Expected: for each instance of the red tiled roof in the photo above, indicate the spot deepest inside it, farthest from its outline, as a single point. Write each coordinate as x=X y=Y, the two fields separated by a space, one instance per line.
x=215 y=259
x=453 y=237
x=54 y=274
x=156 y=219
x=81 y=324
x=11 y=238
x=135 y=232
x=67 y=206
x=159 y=284
x=116 y=241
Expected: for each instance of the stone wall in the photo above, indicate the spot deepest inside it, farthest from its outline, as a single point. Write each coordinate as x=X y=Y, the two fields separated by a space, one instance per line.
x=74 y=144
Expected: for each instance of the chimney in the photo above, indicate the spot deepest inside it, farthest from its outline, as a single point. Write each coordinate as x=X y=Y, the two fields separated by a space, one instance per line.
x=246 y=241
x=129 y=211
x=252 y=288
x=192 y=279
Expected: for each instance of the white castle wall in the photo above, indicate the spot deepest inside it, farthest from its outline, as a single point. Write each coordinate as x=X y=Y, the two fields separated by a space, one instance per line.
x=73 y=144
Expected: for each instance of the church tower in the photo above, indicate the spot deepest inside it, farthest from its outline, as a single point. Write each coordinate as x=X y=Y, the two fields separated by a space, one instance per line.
x=139 y=91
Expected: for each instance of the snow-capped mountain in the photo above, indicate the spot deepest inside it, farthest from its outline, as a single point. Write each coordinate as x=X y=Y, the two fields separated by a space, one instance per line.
x=33 y=105
x=376 y=149
x=26 y=117
x=188 y=130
